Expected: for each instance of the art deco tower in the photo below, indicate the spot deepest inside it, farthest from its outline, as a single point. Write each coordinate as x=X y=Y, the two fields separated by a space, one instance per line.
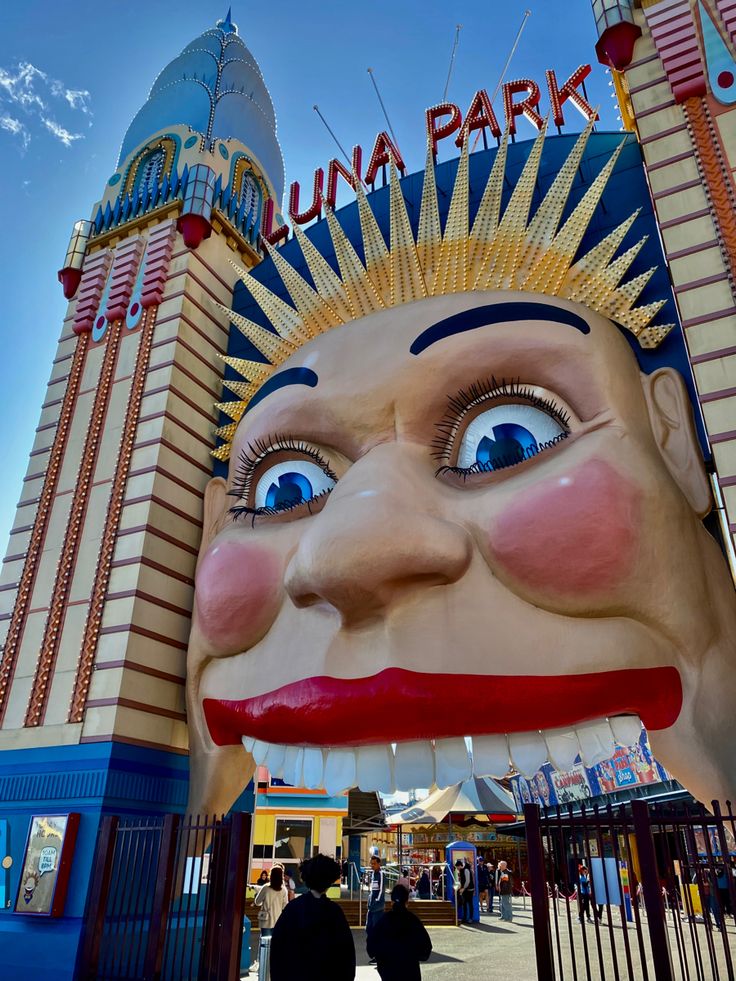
x=96 y=587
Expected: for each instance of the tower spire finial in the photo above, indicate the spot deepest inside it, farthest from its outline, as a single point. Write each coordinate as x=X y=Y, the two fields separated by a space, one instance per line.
x=227 y=25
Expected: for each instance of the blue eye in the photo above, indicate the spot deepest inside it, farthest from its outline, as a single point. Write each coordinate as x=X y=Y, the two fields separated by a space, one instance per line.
x=289 y=483
x=507 y=434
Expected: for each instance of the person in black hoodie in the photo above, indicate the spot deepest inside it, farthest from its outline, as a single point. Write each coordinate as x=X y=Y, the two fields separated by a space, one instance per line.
x=399 y=941
x=312 y=940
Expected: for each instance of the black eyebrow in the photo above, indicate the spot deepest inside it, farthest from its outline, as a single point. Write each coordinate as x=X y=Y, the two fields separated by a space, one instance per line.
x=496 y=313
x=292 y=376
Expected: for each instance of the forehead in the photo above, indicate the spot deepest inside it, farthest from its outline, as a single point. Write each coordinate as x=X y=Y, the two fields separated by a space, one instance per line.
x=388 y=360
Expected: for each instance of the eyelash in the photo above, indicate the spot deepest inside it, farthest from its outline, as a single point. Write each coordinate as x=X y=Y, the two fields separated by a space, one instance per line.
x=253 y=456
x=486 y=391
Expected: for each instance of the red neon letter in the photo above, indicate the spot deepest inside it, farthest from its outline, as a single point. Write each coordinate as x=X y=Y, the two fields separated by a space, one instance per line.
x=559 y=96
x=272 y=235
x=437 y=133
x=315 y=208
x=527 y=107
x=383 y=152
x=335 y=167
x=479 y=116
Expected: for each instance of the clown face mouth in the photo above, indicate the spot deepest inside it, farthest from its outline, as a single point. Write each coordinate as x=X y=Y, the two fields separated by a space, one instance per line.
x=399 y=730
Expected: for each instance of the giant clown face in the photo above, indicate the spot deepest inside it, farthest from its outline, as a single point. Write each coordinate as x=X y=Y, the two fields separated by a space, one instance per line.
x=468 y=516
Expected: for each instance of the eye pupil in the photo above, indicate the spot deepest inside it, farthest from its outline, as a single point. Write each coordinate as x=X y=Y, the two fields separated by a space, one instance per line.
x=290 y=489
x=512 y=444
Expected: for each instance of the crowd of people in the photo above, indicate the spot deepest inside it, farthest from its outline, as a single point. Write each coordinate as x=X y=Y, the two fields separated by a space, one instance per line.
x=312 y=931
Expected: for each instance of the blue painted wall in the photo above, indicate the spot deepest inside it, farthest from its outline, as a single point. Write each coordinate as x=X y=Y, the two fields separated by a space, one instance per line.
x=93 y=779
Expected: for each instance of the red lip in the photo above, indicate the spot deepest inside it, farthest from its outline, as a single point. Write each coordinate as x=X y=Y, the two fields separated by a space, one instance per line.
x=398 y=705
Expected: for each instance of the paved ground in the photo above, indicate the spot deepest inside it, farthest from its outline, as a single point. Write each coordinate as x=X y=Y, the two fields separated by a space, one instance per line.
x=494 y=950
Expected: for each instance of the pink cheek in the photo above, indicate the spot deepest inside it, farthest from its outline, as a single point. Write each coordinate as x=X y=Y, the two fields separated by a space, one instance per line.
x=238 y=594
x=572 y=535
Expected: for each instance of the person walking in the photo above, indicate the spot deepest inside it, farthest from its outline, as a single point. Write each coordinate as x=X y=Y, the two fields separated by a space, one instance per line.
x=491 y=885
x=271 y=898
x=481 y=877
x=399 y=941
x=311 y=939
x=424 y=886
x=584 y=893
x=465 y=891
x=376 y=898
x=505 y=888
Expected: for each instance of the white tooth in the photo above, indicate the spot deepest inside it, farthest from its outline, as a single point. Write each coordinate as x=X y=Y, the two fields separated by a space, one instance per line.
x=248 y=742
x=339 y=770
x=293 y=761
x=375 y=769
x=490 y=756
x=313 y=768
x=626 y=729
x=275 y=760
x=414 y=765
x=451 y=760
x=563 y=747
x=528 y=752
x=259 y=751
x=596 y=742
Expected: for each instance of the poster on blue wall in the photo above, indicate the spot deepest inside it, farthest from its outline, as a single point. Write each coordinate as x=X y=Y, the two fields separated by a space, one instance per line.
x=629 y=767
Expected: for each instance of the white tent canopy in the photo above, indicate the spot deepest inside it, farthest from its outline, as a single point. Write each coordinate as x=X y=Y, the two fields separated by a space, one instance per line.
x=480 y=795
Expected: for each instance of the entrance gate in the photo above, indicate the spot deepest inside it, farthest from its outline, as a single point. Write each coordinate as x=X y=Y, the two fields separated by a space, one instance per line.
x=167 y=899
x=662 y=892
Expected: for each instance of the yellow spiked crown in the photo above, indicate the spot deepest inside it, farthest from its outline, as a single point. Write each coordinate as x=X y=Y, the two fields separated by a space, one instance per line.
x=497 y=253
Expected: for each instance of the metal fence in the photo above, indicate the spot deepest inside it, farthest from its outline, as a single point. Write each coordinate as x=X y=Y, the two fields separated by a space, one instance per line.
x=167 y=900
x=636 y=892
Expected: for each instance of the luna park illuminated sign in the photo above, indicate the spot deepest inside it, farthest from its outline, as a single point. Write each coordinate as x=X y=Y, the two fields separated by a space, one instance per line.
x=521 y=99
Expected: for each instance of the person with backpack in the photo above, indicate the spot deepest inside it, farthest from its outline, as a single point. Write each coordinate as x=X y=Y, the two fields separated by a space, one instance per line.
x=466 y=891
x=584 y=893
x=271 y=898
x=376 y=898
x=399 y=941
x=311 y=939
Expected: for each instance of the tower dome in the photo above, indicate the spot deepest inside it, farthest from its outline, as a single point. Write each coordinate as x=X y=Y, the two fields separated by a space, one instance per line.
x=216 y=87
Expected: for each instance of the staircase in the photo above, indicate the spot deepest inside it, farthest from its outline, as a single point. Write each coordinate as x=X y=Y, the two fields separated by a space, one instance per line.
x=432 y=912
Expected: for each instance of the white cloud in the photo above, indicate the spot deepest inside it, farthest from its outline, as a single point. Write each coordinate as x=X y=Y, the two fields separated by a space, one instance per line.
x=12 y=125
x=60 y=132
x=39 y=99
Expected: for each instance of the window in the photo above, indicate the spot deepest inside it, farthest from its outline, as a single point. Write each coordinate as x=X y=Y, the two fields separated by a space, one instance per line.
x=292 y=845
x=150 y=171
x=250 y=195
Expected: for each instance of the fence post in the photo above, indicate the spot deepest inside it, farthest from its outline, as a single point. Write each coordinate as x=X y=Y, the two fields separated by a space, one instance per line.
x=233 y=903
x=656 y=921
x=538 y=889
x=161 y=899
x=94 y=922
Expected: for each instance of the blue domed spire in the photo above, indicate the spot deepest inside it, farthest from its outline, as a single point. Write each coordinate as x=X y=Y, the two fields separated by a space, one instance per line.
x=216 y=87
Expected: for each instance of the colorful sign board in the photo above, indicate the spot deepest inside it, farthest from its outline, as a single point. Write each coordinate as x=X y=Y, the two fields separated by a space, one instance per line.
x=46 y=864
x=629 y=767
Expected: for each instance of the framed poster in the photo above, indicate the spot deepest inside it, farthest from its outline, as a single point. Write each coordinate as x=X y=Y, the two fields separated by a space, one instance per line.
x=47 y=862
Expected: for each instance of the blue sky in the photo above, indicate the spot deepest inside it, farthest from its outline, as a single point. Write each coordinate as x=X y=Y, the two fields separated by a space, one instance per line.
x=72 y=76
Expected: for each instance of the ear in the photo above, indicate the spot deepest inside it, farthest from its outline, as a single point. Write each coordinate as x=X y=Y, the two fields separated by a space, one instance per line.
x=215 y=508
x=673 y=426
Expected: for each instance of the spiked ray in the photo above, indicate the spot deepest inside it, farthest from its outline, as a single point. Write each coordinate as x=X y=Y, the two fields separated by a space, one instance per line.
x=222 y=452
x=244 y=390
x=602 y=282
x=651 y=337
x=544 y=225
x=316 y=315
x=407 y=281
x=254 y=371
x=498 y=271
x=234 y=410
x=598 y=258
x=324 y=277
x=568 y=239
x=360 y=291
x=377 y=260
x=489 y=211
x=226 y=432
x=429 y=237
x=453 y=260
x=640 y=317
x=284 y=318
x=632 y=289
x=271 y=346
